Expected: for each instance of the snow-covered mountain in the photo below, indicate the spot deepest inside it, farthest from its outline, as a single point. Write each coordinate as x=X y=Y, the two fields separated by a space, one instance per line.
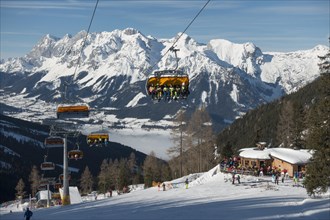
x=227 y=78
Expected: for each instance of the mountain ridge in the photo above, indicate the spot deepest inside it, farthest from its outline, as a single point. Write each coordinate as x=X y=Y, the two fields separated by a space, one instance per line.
x=227 y=78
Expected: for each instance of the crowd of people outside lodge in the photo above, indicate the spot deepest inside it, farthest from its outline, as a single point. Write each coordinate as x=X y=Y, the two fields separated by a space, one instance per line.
x=168 y=92
x=233 y=165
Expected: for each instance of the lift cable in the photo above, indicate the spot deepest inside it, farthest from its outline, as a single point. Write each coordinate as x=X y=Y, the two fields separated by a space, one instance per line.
x=172 y=47
x=84 y=42
x=82 y=47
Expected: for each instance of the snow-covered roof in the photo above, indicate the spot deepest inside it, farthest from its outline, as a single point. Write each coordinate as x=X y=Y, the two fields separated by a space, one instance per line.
x=291 y=156
x=255 y=154
x=285 y=154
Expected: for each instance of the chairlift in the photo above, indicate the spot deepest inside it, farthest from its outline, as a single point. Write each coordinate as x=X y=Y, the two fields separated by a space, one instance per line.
x=73 y=111
x=54 y=141
x=97 y=138
x=75 y=154
x=47 y=166
x=174 y=80
x=61 y=177
x=58 y=185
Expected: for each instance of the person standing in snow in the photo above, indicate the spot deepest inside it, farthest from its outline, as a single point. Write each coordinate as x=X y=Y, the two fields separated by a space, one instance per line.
x=295 y=178
x=164 y=187
x=238 y=179
x=28 y=214
x=277 y=175
x=187 y=182
x=110 y=192
x=233 y=182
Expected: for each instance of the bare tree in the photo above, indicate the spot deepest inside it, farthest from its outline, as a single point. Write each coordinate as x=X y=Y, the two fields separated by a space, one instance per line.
x=34 y=180
x=151 y=169
x=179 y=137
x=200 y=131
x=103 y=176
x=20 y=193
x=86 y=181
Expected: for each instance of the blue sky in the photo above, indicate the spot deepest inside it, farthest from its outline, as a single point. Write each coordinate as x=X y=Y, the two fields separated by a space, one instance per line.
x=280 y=25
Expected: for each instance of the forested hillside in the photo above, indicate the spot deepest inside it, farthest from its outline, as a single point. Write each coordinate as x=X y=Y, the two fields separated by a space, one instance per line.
x=22 y=148
x=284 y=122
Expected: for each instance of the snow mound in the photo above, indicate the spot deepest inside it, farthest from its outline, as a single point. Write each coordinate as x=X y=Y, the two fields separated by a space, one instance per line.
x=207 y=177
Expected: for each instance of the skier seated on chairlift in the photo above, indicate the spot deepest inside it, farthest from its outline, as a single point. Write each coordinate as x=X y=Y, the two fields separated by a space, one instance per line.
x=152 y=91
x=159 y=92
x=166 y=93
x=184 y=91
x=171 y=92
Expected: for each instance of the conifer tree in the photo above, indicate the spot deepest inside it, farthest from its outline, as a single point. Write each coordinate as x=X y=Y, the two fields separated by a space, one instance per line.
x=285 y=127
x=34 y=180
x=227 y=151
x=20 y=193
x=86 y=181
x=318 y=170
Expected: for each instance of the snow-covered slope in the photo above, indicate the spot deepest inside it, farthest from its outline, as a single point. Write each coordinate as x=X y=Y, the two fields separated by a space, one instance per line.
x=211 y=196
x=227 y=78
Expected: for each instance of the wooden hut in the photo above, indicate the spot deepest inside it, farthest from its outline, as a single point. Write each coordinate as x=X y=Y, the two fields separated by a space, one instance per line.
x=290 y=159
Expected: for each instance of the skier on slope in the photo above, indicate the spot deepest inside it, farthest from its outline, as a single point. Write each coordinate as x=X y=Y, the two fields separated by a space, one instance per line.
x=28 y=214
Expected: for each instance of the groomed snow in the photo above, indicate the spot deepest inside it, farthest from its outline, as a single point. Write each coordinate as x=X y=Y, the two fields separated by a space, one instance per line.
x=210 y=195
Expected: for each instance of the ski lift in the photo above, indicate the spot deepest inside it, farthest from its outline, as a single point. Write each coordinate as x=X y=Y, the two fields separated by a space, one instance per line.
x=47 y=166
x=167 y=77
x=62 y=176
x=75 y=154
x=54 y=141
x=171 y=79
x=97 y=138
x=58 y=185
x=73 y=111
